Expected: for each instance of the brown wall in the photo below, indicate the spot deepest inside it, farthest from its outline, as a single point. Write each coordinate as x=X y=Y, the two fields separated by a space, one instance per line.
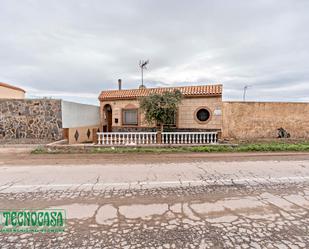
x=117 y=107
x=81 y=134
x=8 y=93
x=254 y=120
x=188 y=107
x=186 y=112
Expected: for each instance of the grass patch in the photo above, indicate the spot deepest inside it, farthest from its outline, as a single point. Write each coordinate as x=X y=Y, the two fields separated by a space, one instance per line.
x=39 y=150
x=43 y=150
x=259 y=147
x=249 y=147
x=138 y=150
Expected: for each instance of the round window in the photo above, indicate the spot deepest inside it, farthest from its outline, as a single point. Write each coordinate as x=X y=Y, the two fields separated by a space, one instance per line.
x=203 y=115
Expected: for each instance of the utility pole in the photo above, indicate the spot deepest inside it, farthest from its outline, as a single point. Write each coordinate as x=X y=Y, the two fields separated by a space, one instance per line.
x=142 y=65
x=245 y=92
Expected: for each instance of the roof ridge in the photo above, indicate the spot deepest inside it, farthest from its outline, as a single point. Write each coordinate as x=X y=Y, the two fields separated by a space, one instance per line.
x=189 y=91
x=164 y=87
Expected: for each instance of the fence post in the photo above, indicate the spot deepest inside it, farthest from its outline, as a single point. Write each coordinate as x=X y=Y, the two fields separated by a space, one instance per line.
x=95 y=135
x=159 y=137
x=219 y=136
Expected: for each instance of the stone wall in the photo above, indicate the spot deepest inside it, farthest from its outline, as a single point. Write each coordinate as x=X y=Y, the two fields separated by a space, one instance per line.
x=30 y=119
x=260 y=120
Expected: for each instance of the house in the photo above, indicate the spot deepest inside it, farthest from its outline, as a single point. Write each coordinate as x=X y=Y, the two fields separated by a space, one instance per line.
x=202 y=116
x=199 y=110
x=8 y=91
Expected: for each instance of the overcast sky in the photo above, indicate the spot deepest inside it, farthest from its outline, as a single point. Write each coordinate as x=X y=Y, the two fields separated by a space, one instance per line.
x=73 y=49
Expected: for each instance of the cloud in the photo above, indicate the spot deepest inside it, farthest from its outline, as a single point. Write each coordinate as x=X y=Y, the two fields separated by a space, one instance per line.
x=77 y=48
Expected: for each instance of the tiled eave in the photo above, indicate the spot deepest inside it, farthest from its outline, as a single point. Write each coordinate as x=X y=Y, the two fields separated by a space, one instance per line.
x=188 y=92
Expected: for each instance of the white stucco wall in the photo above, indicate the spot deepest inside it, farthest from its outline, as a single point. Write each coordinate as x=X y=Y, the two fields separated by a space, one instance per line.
x=79 y=115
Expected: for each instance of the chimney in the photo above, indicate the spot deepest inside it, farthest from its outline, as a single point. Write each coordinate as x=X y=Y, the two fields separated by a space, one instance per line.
x=119 y=84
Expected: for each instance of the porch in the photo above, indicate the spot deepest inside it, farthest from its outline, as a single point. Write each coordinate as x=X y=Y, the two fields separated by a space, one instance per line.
x=155 y=138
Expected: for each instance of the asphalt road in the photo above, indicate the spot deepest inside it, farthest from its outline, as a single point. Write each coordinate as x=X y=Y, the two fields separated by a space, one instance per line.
x=197 y=204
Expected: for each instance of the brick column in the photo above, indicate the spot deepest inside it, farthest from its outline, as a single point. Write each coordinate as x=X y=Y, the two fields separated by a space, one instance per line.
x=159 y=137
x=94 y=135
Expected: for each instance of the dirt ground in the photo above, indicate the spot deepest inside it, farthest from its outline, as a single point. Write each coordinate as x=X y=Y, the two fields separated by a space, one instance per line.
x=14 y=156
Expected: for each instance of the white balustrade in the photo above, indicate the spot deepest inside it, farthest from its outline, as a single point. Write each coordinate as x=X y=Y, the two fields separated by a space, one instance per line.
x=189 y=137
x=126 y=138
x=134 y=138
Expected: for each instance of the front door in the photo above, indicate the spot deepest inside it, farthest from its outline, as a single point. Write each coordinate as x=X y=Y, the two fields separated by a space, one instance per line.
x=109 y=120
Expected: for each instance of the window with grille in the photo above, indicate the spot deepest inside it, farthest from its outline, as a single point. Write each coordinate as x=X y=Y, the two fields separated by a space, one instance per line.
x=130 y=117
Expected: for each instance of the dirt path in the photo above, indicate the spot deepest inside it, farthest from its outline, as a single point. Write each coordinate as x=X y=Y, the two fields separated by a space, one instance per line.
x=9 y=156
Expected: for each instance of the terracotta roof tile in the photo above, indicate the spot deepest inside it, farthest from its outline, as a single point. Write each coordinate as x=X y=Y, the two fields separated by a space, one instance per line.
x=187 y=91
x=12 y=87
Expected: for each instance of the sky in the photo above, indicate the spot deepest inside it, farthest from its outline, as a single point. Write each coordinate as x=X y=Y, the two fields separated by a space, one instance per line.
x=73 y=49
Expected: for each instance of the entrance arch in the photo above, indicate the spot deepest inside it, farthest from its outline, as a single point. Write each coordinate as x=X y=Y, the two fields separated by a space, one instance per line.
x=108 y=118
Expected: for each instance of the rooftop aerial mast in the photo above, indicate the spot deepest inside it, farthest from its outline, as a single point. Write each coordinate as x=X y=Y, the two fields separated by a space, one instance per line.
x=142 y=65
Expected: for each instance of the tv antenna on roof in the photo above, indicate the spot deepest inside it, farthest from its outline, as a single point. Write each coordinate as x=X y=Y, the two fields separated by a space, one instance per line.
x=142 y=65
x=245 y=92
